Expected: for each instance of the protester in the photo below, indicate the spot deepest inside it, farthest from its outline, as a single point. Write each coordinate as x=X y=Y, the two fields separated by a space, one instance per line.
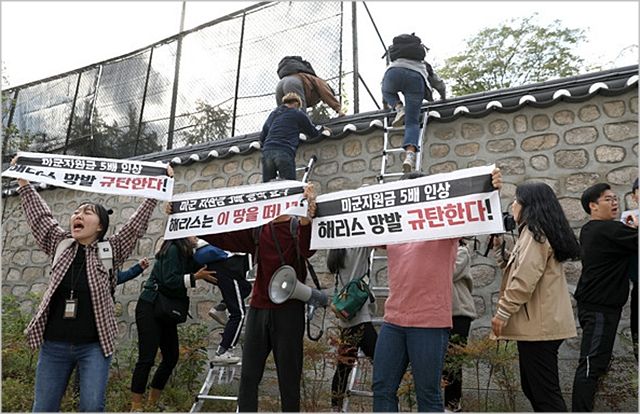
x=173 y=273
x=627 y=218
x=271 y=327
x=75 y=322
x=607 y=248
x=297 y=76
x=230 y=272
x=534 y=306
x=357 y=333
x=410 y=74
x=280 y=138
x=463 y=312
x=417 y=319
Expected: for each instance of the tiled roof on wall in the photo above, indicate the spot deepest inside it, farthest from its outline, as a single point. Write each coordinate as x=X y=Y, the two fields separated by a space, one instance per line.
x=580 y=88
x=539 y=95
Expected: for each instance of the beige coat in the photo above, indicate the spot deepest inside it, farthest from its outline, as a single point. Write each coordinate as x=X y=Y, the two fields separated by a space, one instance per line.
x=534 y=297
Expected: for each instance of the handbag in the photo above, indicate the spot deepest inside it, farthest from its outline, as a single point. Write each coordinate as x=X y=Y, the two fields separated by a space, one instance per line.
x=352 y=297
x=168 y=308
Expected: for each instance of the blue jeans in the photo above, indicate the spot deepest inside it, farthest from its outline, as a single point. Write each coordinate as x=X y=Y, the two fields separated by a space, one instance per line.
x=425 y=348
x=55 y=363
x=411 y=84
x=276 y=160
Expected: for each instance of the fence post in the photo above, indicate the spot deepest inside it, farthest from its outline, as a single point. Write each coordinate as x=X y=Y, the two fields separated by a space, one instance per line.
x=354 y=32
x=174 y=96
x=73 y=111
x=235 y=98
x=340 y=69
x=144 y=99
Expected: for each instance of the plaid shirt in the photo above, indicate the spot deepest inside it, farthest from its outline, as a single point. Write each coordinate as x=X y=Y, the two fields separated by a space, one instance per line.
x=48 y=234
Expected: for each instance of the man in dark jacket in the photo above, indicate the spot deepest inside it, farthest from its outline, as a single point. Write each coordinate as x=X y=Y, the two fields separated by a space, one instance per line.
x=603 y=288
x=280 y=138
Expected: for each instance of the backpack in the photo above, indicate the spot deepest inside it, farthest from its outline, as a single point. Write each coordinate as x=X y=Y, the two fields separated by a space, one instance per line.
x=105 y=253
x=408 y=46
x=290 y=65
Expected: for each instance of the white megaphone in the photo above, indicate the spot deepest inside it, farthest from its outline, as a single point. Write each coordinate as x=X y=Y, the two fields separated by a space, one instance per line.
x=284 y=285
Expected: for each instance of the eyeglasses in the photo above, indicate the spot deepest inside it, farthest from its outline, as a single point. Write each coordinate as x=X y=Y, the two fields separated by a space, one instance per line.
x=609 y=199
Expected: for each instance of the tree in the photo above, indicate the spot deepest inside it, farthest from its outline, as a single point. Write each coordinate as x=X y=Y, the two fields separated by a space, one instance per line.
x=515 y=53
x=208 y=123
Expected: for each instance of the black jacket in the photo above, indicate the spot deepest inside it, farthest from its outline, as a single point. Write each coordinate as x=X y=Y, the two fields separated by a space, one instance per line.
x=607 y=246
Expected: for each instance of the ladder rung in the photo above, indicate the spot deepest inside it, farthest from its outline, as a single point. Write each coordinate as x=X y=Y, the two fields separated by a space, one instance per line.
x=395 y=129
x=360 y=393
x=217 y=397
x=377 y=321
x=392 y=150
x=395 y=174
x=379 y=257
x=381 y=289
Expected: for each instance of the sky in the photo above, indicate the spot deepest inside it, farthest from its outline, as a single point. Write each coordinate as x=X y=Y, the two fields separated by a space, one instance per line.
x=42 y=39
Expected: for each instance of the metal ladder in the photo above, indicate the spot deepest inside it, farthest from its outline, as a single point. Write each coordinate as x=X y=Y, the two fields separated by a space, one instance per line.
x=226 y=373
x=383 y=291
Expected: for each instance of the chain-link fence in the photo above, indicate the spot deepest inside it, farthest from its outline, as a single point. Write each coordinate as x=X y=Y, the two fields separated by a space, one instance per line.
x=225 y=76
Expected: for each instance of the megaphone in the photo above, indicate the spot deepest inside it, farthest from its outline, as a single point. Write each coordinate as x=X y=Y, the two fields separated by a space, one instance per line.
x=284 y=285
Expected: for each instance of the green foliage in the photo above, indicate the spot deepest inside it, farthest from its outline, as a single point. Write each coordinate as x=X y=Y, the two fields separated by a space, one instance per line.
x=498 y=359
x=512 y=54
x=18 y=360
x=208 y=123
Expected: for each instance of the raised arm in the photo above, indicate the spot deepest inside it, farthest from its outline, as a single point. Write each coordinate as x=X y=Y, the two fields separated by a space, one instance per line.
x=44 y=227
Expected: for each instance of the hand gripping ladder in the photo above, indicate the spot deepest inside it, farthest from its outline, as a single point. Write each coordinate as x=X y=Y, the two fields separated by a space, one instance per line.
x=219 y=374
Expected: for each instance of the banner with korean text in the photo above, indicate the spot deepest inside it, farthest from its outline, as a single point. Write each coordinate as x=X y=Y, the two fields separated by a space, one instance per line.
x=235 y=208
x=97 y=175
x=440 y=206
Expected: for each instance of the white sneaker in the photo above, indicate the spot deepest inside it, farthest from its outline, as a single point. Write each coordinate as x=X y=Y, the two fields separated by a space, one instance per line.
x=399 y=119
x=219 y=316
x=226 y=358
x=409 y=162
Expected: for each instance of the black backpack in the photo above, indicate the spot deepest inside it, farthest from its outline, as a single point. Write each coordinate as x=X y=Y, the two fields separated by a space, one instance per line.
x=408 y=46
x=290 y=65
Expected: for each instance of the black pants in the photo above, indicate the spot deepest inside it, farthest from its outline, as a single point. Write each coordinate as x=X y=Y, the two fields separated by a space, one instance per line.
x=457 y=336
x=598 y=336
x=539 y=375
x=634 y=319
x=363 y=336
x=233 y=294
x=154 y=333
x=280 y=330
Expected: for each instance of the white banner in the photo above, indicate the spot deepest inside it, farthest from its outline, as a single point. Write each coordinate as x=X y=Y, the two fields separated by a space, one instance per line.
x=97 y=175
x=440 y=206
x=236 y=208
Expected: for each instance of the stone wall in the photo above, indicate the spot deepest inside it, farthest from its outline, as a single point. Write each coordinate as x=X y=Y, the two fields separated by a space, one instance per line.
x=570 y=146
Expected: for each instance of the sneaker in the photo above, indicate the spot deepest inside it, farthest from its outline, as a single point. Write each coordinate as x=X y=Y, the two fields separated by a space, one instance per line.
x=409 y=162
x=226 y=358
x=219 y=316
x=399 y=119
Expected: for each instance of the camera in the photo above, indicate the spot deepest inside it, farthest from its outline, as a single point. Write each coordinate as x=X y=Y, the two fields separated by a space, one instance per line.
x=508 y=221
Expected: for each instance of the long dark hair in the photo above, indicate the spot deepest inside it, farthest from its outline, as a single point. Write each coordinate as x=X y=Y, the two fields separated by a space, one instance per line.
x=542 y=214
x=184 y=247
x=335 y=259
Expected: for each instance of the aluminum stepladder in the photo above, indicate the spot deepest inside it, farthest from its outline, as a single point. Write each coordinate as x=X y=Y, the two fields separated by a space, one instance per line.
x=357 y=377
x=219 y=374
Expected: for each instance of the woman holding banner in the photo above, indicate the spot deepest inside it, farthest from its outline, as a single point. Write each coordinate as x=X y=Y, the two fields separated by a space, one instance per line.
x=173 y=272
x=534 y=307
x=75 y=321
